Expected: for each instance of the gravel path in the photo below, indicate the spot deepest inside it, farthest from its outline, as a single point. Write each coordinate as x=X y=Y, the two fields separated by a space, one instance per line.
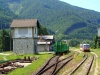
x=4 y=54
x=5 y=58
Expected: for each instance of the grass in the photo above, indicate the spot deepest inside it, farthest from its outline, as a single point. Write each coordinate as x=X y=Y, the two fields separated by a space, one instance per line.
x=42 y=59
x=30 y=68
x=12 y=56
x=97 y=51
x=33 y=67
x=68 y=68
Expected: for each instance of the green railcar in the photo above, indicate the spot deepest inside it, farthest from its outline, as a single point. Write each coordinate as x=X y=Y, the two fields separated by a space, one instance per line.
x=60 y=47
x=55 y=47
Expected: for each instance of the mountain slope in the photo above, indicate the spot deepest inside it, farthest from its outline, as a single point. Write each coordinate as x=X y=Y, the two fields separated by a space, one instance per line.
x=69 y=21
x=6 y=15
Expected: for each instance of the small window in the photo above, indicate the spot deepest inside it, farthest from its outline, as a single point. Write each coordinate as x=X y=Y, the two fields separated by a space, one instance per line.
x=22 y=31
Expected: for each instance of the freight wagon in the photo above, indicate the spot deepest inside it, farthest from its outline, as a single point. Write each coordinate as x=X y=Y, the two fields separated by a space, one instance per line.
x=85 y=47
x=61 y=47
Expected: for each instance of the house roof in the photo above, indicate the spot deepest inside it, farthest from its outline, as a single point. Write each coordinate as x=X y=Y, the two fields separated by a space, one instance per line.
x=25 y=23
x=43 y=43
x=47 y=36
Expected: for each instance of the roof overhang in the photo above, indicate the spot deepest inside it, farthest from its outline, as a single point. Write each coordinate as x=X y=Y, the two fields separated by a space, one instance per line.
x=25 y=23
x=44 y=43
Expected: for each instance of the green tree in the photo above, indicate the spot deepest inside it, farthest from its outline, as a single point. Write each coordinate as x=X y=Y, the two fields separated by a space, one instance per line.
x=4 y=40
x=43 y=30
x=74 y=42
x=95 y=41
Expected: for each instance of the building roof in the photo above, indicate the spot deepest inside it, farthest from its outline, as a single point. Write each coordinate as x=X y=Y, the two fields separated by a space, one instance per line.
x=47 y=36
x=43 y=43
x=25 y=23
x=84 y=44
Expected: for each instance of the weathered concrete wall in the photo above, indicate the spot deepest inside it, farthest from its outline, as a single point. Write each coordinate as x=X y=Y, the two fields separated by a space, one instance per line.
x=99 y=32
x=42 y=48
x=35 y=45
x=23 y=46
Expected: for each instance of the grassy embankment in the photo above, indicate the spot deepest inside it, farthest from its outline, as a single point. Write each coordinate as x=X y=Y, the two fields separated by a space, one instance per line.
x=30 y=68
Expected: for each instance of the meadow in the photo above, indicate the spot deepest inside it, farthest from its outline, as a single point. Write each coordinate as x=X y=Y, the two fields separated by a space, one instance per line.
x=28 y=69
x=43 y=57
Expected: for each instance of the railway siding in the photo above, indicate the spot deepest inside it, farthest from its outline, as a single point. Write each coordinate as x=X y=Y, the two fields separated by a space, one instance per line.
x=55 y=67
x=94 y=69
x=79 y=65
x=71 y=65
x=85 y=67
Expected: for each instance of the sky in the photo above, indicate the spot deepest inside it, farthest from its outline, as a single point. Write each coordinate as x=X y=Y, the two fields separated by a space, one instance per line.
x=88 y=4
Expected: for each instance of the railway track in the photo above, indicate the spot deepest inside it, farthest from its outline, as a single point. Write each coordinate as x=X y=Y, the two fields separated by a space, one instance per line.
x=61 y=64
x=50 y=62
x=90 y=65
x=84 y=67
x=51 y=68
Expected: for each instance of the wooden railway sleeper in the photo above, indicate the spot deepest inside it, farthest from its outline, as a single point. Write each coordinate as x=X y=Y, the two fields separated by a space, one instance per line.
x=61 y=66
x=90 y=66
x=51 y=66
x=79 y=65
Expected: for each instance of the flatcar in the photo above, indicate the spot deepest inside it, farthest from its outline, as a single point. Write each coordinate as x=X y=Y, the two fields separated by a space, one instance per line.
x=61 y=47
x=85 y=47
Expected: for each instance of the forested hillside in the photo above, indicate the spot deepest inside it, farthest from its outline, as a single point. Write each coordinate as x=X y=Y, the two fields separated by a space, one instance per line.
x=63 y=19
x=6 y=15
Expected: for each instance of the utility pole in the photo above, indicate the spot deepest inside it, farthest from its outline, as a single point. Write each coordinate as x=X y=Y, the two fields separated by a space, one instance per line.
x=10 y=40
x=10 y=37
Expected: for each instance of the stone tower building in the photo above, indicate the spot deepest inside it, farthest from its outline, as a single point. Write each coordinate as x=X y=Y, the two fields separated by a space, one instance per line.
x=25 y=36
x=99 y=36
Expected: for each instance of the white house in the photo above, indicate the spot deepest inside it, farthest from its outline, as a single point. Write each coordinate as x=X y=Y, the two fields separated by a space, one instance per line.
x=99 y=36
x=25 y=35
x=99 y=32
x=45 y=43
